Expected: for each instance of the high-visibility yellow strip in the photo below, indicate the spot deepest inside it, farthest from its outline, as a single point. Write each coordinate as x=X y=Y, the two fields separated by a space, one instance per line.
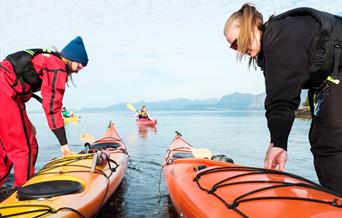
x=333 y=80
x=46 y=50
x=29 y=51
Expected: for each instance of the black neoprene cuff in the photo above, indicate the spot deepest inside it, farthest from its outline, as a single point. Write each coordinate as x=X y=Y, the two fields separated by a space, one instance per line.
x=61 y=136
x=280 y=130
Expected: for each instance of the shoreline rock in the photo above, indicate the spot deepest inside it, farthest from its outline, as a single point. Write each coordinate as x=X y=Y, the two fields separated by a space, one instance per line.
x=303 y=113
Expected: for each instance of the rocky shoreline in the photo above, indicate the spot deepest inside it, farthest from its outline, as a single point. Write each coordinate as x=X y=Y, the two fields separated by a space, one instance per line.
x=303 y=113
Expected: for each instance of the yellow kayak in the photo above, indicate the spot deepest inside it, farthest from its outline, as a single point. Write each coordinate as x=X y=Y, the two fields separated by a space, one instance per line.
x=74 y=186
x=73 y=119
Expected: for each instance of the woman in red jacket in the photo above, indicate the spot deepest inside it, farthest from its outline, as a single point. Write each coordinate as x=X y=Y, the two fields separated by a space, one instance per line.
x=22 y=74
x=299 y=49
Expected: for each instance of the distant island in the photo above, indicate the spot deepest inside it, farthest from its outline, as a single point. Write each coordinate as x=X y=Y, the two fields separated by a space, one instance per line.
x=231 y=102
x=235 y=101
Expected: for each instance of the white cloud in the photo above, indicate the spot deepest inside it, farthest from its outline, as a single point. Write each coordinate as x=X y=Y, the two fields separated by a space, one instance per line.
x=141 y=49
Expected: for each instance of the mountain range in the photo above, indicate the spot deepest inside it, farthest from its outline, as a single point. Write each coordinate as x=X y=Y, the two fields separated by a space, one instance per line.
x=235 y=101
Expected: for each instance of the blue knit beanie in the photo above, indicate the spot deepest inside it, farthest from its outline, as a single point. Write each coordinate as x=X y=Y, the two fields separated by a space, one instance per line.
x=75 y=51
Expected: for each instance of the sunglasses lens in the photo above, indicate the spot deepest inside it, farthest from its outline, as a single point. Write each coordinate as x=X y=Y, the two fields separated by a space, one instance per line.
x=234 y=45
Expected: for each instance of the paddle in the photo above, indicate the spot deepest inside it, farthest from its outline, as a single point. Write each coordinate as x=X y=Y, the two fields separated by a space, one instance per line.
x=99 y=157
x=131 y=107
x=202 y=153
x=87 y=138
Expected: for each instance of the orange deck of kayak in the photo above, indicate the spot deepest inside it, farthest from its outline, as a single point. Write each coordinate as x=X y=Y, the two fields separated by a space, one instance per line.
x=197 y=198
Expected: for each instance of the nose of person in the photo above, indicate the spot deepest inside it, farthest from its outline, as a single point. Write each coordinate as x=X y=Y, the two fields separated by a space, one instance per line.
x=80 y=66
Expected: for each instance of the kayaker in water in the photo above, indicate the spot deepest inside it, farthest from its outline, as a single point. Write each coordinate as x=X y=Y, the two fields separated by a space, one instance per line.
x=143 y=113
x=22 y=74
x=299 y=49
x=65 y=113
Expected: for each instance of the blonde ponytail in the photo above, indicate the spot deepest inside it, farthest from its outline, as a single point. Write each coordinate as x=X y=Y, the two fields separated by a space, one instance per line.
x=249 y=18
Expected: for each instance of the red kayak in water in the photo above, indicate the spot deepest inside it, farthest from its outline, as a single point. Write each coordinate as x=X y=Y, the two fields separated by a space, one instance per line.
x=146 y=122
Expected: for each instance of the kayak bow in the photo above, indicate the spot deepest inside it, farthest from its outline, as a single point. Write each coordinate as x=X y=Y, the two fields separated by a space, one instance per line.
x=73 y=186
x=219 y=188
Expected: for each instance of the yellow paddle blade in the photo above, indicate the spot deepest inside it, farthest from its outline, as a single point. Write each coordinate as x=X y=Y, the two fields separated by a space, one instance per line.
x=202 y=153
x=87 y=138
x=131 y=107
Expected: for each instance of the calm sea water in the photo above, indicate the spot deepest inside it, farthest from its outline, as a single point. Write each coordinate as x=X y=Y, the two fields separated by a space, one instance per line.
x=241 y=135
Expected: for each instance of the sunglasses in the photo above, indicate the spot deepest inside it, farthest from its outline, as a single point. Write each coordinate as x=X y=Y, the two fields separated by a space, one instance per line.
x=234 y=45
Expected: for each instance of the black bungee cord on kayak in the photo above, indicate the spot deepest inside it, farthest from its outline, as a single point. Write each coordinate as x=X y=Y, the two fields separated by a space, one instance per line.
x=67 y=161
x=257 y=171
x=251 y=171
x=118 y=139
x=74 y=159
x=46 y=209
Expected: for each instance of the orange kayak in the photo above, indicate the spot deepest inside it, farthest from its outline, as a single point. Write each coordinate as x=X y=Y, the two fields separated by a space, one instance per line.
x=219 y=188
x=74 y=186
x=146 y=122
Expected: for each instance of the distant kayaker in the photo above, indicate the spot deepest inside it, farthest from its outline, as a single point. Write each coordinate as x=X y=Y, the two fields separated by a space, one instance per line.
x=299 y=49
x=22 y=74
x=143 y=113
x=65 y=113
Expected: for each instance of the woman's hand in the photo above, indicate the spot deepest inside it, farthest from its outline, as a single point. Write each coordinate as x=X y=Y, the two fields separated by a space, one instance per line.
x=66 y=150
x=275 y=157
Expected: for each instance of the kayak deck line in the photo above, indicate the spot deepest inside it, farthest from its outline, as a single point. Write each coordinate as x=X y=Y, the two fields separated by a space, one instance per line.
x=45 y=210
x=94 y=174
x=61 y=163
x=190 y=181
x=69 y=162
x=253 y=171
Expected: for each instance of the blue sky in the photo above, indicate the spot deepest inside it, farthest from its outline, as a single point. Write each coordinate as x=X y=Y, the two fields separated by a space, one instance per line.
x=141 y=49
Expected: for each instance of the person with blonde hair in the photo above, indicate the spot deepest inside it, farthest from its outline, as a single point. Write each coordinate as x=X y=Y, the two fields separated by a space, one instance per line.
x=298 y=49
x=143 y=113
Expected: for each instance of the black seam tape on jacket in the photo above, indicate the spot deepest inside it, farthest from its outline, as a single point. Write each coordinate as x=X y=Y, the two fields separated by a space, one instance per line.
x=54 y=70
x=28 y=176
x=16 y=79
x=52 y=99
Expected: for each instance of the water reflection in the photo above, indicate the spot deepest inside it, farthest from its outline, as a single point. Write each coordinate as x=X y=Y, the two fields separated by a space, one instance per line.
x=145 y=130
x=241 y=135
